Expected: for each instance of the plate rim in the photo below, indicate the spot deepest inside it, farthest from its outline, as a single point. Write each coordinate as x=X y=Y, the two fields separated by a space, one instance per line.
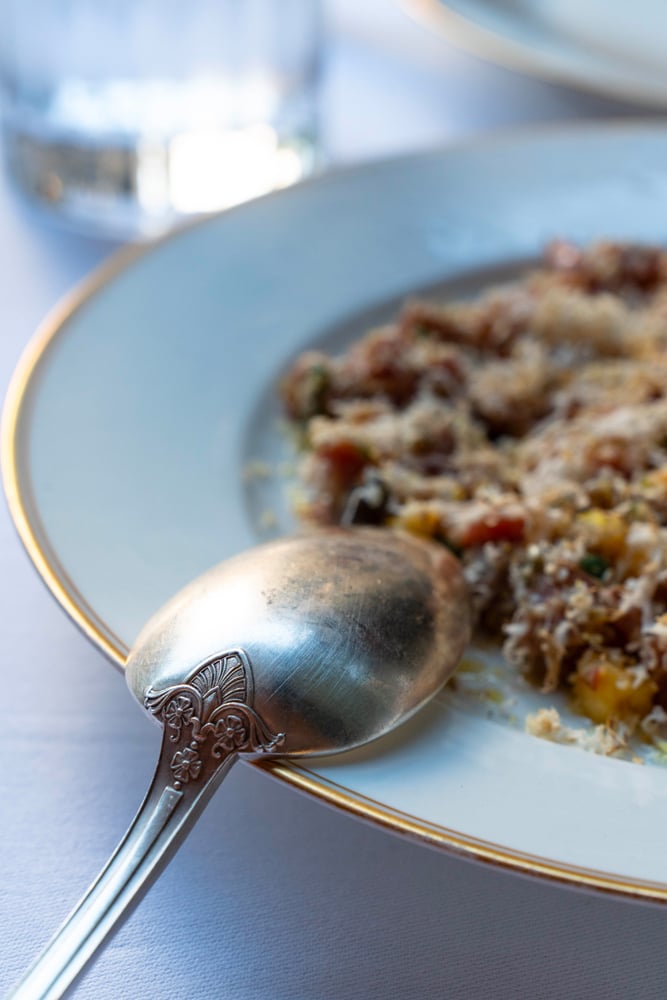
x=466 y=34
x=15 y=421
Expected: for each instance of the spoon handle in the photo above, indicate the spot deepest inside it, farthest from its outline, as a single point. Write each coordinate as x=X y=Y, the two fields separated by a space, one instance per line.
x=204 y=731
x=163 y=821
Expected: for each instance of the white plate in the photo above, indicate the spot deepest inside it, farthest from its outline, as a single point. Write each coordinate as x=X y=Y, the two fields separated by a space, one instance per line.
x=142 y=400
x=607 y=46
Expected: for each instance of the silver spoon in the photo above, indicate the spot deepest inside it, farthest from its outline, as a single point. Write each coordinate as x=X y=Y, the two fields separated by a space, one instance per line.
x=309 y=645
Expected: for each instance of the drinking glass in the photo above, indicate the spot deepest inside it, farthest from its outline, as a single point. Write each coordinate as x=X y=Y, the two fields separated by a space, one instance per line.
x=125 y=116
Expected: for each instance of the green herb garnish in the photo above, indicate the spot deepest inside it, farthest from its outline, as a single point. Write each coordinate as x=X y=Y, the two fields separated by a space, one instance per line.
x=594 y=565
x=455 y=549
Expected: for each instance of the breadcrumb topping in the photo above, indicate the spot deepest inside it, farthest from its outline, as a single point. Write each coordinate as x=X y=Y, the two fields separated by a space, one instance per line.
x=527 y=431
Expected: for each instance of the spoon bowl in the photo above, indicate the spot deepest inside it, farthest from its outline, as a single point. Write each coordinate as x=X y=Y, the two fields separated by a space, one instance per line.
x=340 y=635
x=309 y=645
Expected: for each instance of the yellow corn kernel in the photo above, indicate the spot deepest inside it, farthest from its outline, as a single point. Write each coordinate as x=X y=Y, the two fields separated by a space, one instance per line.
x=419 y=520
x=604 y=691
x=606 y=530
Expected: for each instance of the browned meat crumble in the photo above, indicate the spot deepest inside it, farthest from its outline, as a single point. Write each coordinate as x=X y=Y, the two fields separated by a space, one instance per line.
x=527 y=431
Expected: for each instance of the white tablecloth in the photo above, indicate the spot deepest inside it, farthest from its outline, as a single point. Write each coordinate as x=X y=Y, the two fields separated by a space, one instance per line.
x=274 y=896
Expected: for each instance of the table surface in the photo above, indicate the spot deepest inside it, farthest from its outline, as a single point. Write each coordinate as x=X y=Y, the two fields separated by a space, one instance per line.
x=274 y=895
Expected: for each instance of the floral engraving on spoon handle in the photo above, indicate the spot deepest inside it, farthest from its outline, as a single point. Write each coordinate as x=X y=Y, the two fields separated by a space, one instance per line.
x=210 y=717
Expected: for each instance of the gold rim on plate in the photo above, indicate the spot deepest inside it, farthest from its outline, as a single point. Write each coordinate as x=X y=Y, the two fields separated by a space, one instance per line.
x=35 y=540
x=466 y=34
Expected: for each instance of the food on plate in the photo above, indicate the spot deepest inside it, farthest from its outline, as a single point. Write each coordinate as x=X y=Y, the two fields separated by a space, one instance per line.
x=525 y=429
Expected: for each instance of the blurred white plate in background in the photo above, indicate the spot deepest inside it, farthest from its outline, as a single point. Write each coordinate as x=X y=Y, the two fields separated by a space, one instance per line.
x=607 y=46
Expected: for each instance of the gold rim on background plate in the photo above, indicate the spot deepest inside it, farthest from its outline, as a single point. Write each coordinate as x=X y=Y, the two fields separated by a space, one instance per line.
x=36 y=542
x=468 y=35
